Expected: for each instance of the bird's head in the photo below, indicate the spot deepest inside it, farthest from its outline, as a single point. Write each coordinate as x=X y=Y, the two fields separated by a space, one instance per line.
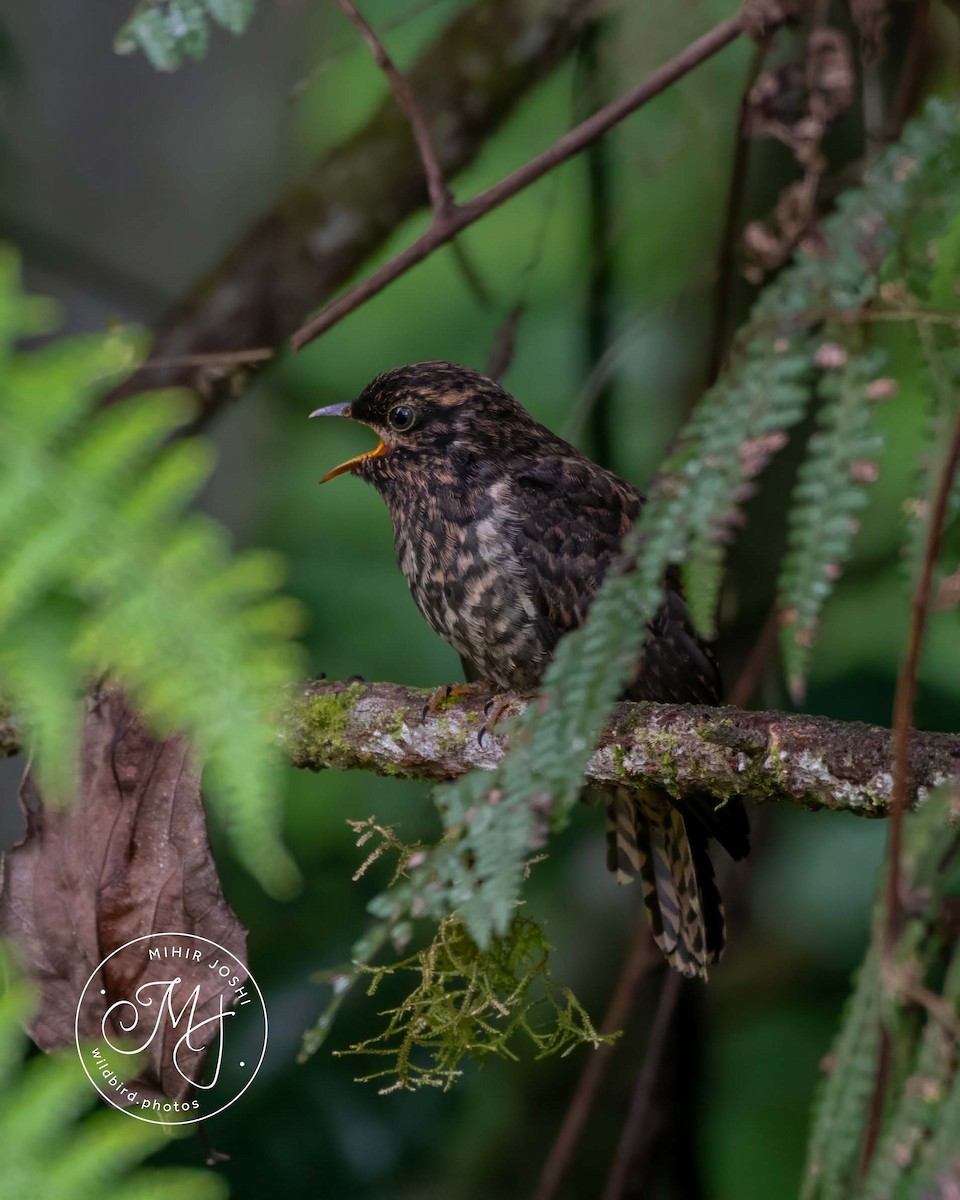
x=430 y=412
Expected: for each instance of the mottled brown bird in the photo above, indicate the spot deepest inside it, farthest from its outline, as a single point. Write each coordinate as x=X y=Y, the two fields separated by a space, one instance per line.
x=504 y=532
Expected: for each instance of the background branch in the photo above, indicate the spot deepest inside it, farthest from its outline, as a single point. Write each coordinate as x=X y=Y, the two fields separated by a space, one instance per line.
x=638 y=1114
x=641 y=959
x=446 y=227
x=319 y=232
x=440 y=198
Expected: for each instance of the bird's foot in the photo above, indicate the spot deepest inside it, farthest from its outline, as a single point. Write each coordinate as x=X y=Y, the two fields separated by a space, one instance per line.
x=493 y=710
x=451 y=691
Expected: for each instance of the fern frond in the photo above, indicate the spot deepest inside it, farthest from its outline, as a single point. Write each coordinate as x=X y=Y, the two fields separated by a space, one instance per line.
x=37 y=667
x=841 y=276
x=921 y=1107
x=836 y=1138
x=100 y=571
x=735 y=431
x=941 y=370
x=48 y=1151
x=944 y=289
x=831 y=490
x=939 y=1161
x=923 y=1062
x=176 y=30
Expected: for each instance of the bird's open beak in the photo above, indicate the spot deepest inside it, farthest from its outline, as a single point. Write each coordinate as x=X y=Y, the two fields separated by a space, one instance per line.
x=343 y=410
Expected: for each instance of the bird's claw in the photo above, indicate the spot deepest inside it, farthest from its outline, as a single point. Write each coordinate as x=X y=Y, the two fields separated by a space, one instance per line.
x=493 y=710
x=432 y=706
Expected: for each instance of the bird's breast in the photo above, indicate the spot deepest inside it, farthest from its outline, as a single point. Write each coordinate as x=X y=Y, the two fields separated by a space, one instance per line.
x=458 y=553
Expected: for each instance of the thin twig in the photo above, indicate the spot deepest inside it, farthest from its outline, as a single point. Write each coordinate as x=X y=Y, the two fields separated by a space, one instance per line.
x=756 y=662
x=640 y=959
x=643 y=1092
x=911 y=76
x=902 y=721
x=902 y=980
x=598 y=322
x=806 y=318
x=907 y=681
x=504 y=343
x=441 y=199
x=446 y=227
x=576 y=422
x=726 y=262
x=332 y=55
x=223 y=358
x=471 y=274
x=920 y=316
x=317 y=234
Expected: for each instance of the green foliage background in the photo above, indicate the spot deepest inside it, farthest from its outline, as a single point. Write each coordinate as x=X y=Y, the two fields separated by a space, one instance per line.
x=770 y=1013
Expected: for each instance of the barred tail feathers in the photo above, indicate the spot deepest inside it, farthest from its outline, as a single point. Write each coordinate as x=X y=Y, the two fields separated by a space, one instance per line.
x=648 y=836
x=623 y=852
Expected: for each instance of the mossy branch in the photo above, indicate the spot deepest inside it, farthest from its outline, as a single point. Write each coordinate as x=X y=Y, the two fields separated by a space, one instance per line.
x=806 y=760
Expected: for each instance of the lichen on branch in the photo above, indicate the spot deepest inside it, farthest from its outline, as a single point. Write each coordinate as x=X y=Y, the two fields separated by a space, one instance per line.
x=811 y=761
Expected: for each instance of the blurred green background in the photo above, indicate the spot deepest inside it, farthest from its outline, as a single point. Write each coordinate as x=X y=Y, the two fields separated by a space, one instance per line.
x=121 y=186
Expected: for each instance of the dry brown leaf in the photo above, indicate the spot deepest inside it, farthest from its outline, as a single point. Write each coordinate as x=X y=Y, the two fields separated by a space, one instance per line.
x=130 y=857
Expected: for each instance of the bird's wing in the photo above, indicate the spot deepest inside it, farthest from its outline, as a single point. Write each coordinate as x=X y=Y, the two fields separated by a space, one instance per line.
x=678 y=666
x=572 y=518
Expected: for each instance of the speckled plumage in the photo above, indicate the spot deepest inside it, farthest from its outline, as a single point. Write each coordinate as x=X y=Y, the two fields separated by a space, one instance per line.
x=504 y=533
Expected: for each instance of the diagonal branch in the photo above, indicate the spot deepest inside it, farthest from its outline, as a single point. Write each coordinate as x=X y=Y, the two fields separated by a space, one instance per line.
x=440 y=198
x=448 y=225
x=811 y=761
x=319 y=232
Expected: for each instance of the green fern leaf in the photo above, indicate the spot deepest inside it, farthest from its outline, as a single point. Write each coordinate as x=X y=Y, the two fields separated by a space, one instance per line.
x=941 y=370
x=736 y=429
x=49 y=1151
x=830 y=491
x=169 y=31
x=101 y=571
x=923 y=1107
x=836 y=1139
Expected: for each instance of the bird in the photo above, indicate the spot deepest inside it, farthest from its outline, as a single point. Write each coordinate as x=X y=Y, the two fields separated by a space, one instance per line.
x=504 y=532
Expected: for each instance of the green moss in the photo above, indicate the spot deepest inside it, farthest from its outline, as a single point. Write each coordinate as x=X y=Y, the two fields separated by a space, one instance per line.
x=663 y=746
x=322 y=721
x=619 y=761
x=475 y=1004
x=395 y=728
x=451 y=735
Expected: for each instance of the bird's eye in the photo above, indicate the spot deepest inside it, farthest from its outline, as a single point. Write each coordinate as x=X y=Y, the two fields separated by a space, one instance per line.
x=401 y=418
